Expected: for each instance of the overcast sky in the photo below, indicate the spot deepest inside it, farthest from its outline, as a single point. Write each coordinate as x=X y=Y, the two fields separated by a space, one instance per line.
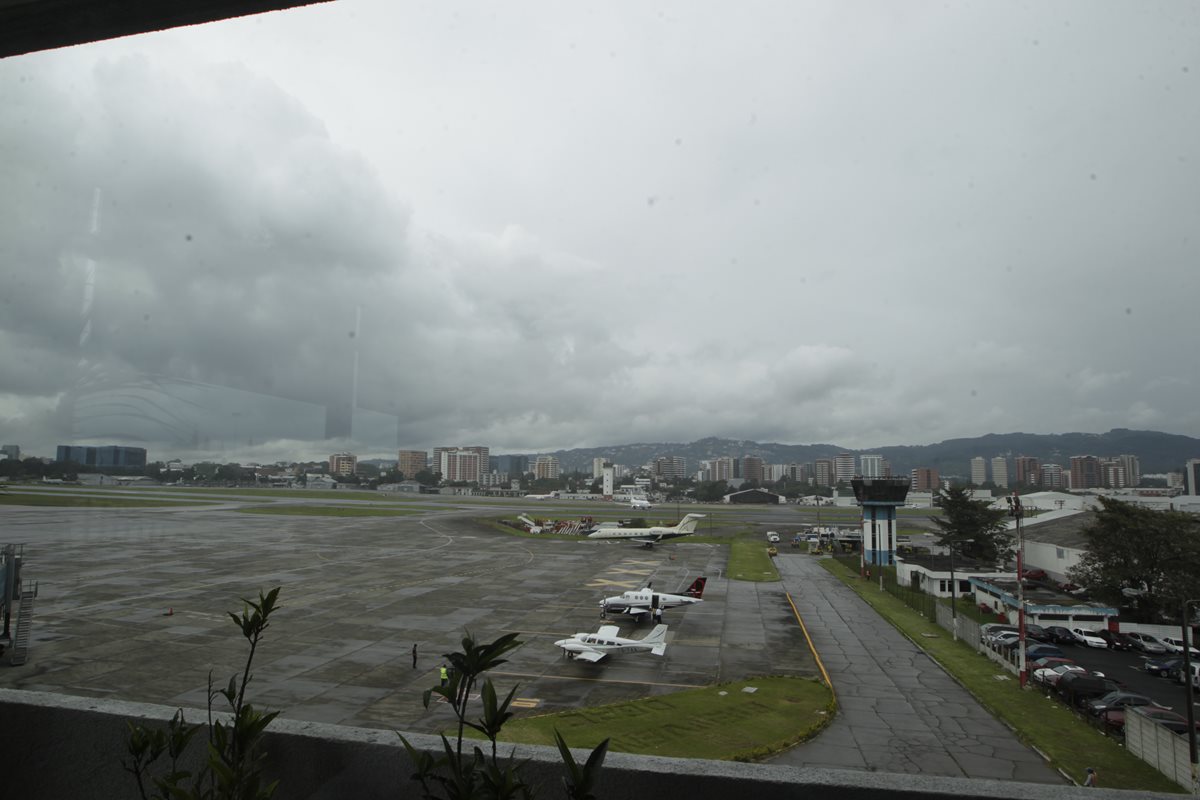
x=558 y=225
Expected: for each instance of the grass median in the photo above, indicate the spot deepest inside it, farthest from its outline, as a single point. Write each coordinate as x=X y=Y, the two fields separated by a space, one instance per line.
x=1047 y=725
x=53 y=499
x=748 y=560
x=722 y=722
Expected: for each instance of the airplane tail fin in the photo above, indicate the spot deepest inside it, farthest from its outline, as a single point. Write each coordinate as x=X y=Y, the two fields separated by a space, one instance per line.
x=688 y=524
x=658 y=638
x=696 y=590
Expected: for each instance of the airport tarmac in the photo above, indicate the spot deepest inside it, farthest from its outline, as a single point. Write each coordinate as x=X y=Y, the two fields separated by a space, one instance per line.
x=131 y=605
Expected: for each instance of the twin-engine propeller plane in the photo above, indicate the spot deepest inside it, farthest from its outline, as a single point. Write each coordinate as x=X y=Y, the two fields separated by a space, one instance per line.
x=646 y=602
x=650 y=536
x=595 y=646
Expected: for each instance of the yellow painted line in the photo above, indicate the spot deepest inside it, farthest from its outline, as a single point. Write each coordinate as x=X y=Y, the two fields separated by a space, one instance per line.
x=808 y=639
x=525 y=702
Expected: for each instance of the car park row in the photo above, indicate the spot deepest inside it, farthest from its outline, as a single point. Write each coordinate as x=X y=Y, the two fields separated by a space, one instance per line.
x=1096 y=684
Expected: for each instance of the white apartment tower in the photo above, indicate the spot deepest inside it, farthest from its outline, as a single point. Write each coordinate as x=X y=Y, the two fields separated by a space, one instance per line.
x=978 y=470
x=870 y=466
x=1000 y=472
x=545 y=467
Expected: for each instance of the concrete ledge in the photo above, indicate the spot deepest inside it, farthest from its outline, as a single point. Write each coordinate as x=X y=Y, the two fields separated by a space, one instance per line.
x=61 y=746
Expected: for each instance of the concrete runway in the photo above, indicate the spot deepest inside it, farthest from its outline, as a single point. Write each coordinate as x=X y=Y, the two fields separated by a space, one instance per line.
x=357 y=594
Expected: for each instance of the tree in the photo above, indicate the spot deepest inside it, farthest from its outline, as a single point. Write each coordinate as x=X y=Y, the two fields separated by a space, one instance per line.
x=973 y=527
x=428 y=477
x=1143 y=559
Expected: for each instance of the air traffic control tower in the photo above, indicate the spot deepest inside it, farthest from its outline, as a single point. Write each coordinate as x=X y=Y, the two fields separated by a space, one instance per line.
x=879 y=498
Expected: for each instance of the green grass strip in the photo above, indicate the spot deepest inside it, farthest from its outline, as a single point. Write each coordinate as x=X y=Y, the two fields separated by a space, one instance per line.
x=1071 y=744
x=329 y=511
x=748 y=559
x=87 y=501
x=715 y=722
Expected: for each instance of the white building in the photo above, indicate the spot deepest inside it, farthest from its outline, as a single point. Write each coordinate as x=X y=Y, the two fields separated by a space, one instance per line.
x=978 y=471
x=871 y=466
x=1000 y=472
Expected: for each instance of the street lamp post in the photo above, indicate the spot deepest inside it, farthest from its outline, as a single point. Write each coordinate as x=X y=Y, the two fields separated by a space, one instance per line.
x=1187 y=680
x=954 y=586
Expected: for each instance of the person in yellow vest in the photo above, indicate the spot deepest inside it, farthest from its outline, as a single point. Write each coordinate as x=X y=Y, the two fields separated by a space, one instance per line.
x=445 y=675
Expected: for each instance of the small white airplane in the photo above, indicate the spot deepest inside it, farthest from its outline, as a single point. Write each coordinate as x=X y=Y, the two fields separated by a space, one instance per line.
x=551 y=496
x=639 y=502
x=647 y=602
x=648 y=536
x=595 y=646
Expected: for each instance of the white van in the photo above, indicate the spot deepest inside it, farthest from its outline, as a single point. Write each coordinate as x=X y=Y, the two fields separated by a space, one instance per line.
x=772 y=537
x=1195 y=675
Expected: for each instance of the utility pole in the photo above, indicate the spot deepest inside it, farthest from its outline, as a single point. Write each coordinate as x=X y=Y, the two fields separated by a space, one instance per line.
x=1187 y=679
x=1015 y=510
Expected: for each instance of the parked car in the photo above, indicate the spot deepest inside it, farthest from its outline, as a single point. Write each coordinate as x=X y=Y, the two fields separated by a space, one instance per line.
x=1041 y=650
x=1116 y=641
x=1060 y=635
x=1005 y=639
x=1118 y=699
x=1165 y=667
x=1195 y=674
x=1089 y=638
x=1114 y=719
x=1034 y=574
x=1036 y=632
x=1049 y=675
x=1146 y=642
x=1175 y=645
x=1076 y=688
x=1048 y=661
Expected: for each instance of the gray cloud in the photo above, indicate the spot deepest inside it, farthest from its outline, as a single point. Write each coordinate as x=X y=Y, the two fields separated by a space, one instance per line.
x=565 y=227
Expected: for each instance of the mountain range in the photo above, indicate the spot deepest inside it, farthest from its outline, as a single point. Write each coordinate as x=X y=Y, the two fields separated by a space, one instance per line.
x=1157 y=452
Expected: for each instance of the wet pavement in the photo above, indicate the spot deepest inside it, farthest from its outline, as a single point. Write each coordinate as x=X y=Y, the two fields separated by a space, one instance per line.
x=898 y=710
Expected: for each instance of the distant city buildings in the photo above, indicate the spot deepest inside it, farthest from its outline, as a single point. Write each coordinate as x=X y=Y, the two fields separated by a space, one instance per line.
x=871 y=466
x=343 y=464
x=1029 y=471
x=978 y=471
x=545 y=467
x=1191 y=477
x=924 y=479
x=410 y=462
x=1000 y=472
x=461 y=464
x=667 y=468
x=1053 y=476
x=1085 y=473
x=752 y=469
x=843 y=467
x=12 y=451
x=107 y=456
x=824 y=473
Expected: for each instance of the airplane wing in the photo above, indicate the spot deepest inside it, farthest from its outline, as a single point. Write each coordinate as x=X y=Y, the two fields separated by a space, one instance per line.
x=609 y=631
x=644 y=540
x=637 y=610
x=590 y=655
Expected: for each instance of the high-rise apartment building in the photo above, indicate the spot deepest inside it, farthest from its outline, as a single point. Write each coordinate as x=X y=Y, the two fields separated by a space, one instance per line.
x=107 y=456
x=670 y=468
x=598 y=466
x=1191 y=476
x=1133 y=469
x=824 y=473
x=1000 y=471
x=924 y=479
x=410 y=462
x=978 y=471
x=843 y=467
x=720 y=469
x=455 y=461
x=343 y=464
x=871 y=466
x=1052 y=476
x=1112 y=474
x=1085 y=473
x=1028 y=471
x=752 y=468
x=12 y=451
x=545 y=467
